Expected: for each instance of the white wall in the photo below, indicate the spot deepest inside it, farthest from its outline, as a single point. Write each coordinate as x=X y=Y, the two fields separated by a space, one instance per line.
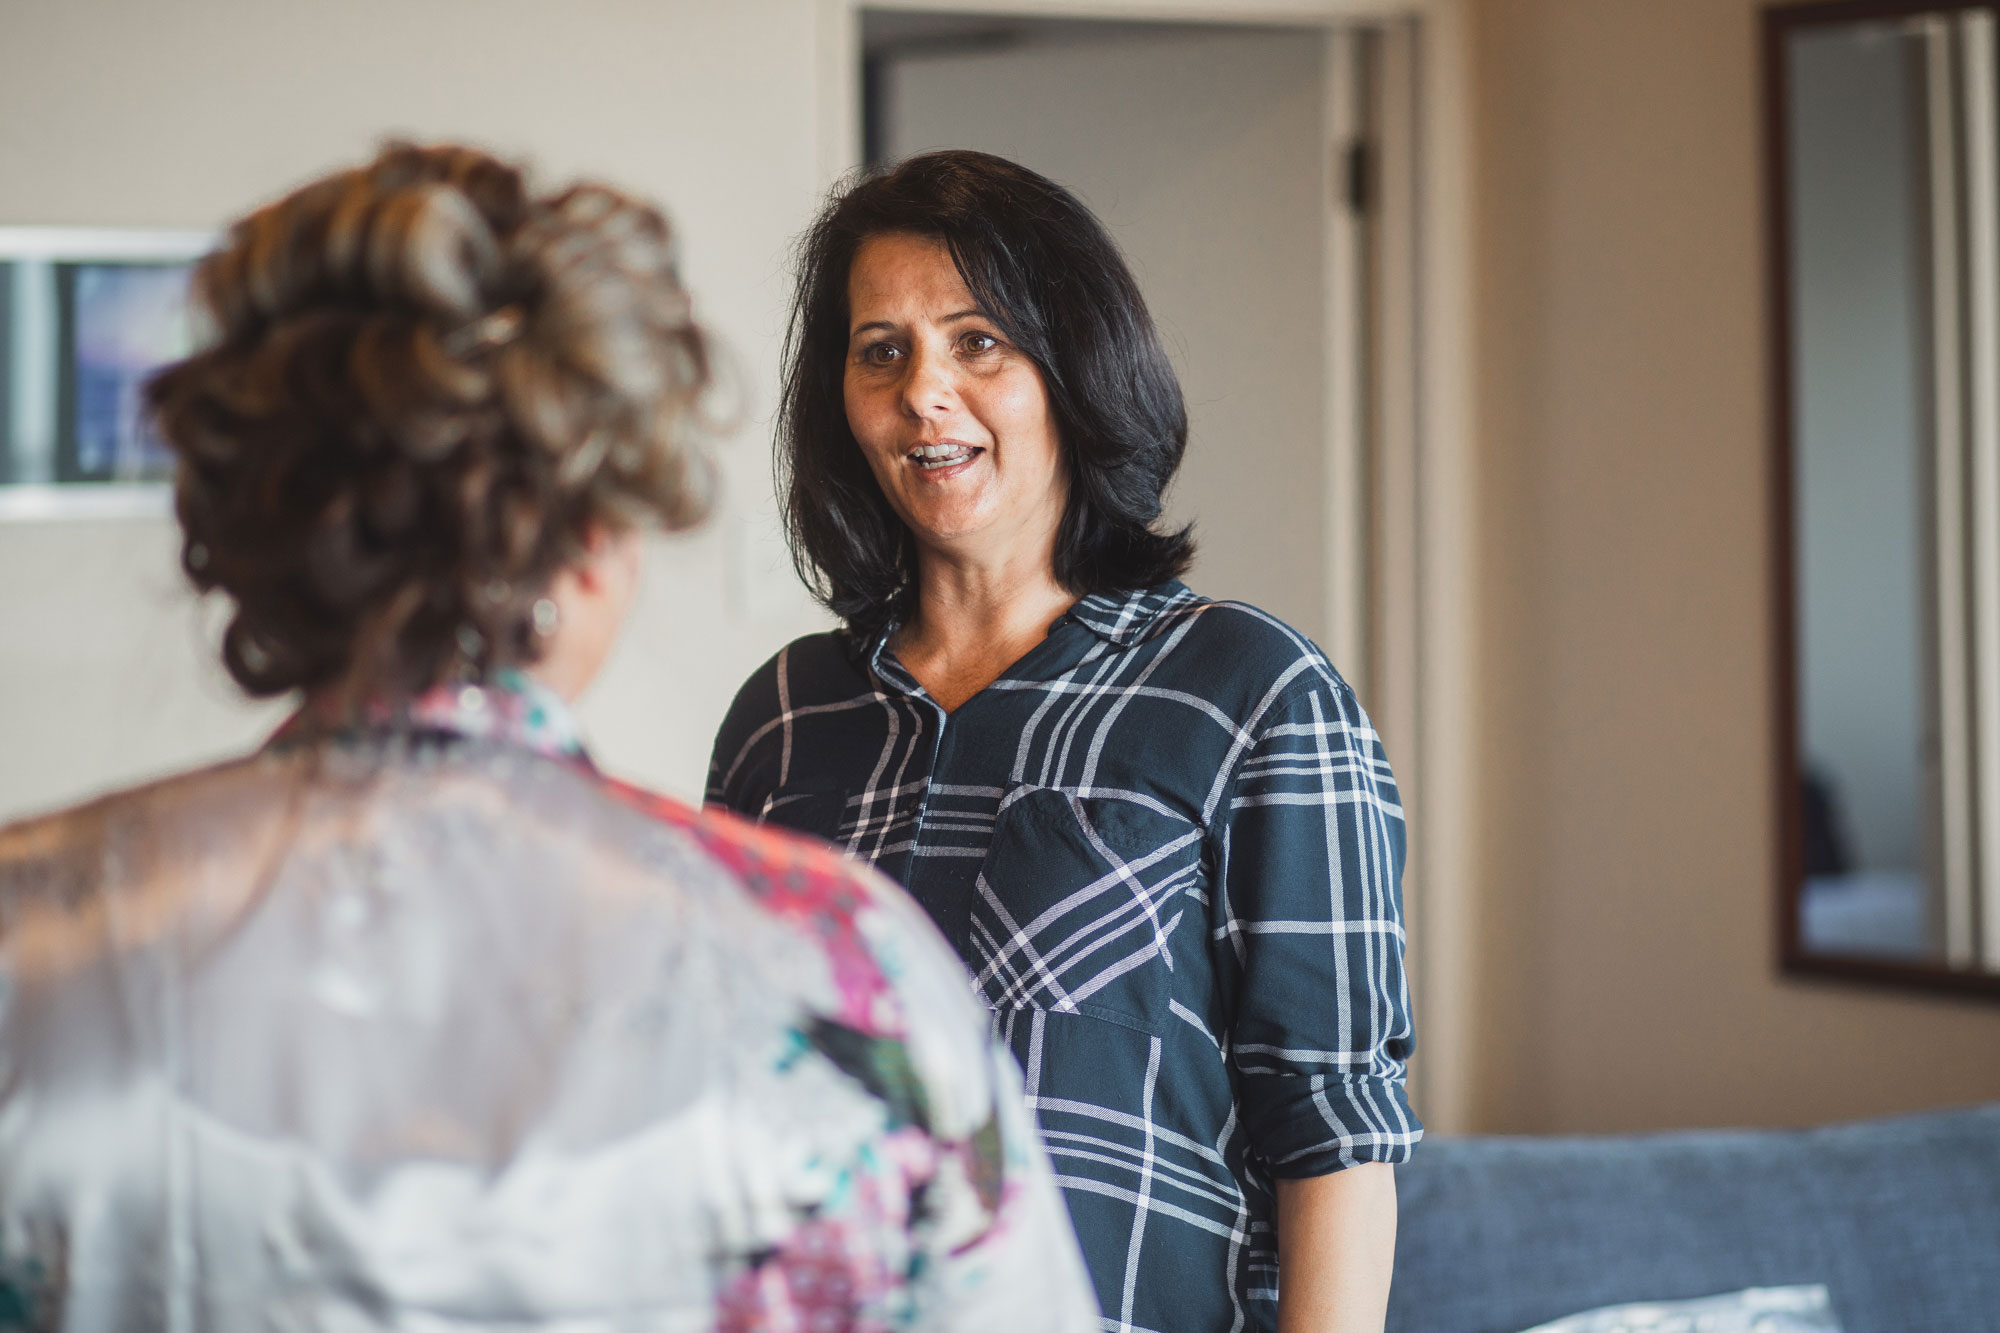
x=137 y=114
x=1204 y=155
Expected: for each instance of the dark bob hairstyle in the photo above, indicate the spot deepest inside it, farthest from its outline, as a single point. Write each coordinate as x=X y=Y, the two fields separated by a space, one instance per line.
x=1043 y=269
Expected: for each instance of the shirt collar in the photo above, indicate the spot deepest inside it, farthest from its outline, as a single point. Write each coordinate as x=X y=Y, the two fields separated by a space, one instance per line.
x=1126 y=618
x=1119 y=618
x=512 y=707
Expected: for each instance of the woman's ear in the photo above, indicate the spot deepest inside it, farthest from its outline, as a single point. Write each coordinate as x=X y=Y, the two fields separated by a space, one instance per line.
x=591 y=597
x=611 y=559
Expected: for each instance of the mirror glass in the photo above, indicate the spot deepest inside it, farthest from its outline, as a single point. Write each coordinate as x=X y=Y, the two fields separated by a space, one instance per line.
x=1888 y=245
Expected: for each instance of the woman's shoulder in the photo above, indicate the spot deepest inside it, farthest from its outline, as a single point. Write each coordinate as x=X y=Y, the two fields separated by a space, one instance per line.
x=71 y=842
x=893 y=974
x=1243 y=649
x=813 y=671
x=814 y=668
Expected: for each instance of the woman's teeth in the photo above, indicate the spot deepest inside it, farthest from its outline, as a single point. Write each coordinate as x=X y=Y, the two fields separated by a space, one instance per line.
x=931 y=457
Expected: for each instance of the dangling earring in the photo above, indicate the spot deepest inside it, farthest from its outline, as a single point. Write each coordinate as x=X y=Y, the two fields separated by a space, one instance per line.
x=545 y=616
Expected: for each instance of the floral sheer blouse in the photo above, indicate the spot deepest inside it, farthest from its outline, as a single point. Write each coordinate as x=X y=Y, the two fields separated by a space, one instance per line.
x=418 y=1021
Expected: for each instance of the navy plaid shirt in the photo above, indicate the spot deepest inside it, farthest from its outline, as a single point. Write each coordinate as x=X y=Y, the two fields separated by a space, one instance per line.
x=1168 y=845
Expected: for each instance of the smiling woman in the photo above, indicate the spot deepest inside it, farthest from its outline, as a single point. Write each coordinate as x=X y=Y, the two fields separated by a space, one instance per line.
x=1159 y=830
x=953 y=419
x=955 y=424
x=935 y=241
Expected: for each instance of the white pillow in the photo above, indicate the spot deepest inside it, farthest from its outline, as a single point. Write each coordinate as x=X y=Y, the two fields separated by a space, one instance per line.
x=1758 y=1310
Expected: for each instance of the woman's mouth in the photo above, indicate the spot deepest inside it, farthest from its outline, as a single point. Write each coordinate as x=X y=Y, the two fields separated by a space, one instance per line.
x=939 y=457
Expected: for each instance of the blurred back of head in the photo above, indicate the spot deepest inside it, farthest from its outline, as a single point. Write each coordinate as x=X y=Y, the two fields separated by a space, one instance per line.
x=424 y=388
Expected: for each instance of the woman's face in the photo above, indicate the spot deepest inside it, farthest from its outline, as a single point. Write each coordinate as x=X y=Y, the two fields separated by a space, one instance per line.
x=953 y=418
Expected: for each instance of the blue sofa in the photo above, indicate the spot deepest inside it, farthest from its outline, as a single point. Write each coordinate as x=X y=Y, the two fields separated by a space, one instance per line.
x=1899 y=1218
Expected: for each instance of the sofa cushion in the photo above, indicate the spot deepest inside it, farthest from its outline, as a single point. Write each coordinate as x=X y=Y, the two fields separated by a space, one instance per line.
x=1758 y=1310
x=1900 y=1218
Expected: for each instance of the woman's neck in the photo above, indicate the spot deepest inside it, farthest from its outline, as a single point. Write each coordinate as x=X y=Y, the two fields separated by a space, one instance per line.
x=973 y=621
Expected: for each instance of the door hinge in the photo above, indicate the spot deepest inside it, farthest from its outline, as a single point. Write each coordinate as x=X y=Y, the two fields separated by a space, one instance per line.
x=1356 y=176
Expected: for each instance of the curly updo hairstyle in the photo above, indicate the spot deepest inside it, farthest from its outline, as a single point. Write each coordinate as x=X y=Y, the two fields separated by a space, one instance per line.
x=1042 y=267
x=424 y=387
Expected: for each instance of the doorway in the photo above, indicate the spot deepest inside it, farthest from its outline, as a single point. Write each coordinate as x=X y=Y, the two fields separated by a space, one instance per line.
x=1205 y=151
x=1292 y=196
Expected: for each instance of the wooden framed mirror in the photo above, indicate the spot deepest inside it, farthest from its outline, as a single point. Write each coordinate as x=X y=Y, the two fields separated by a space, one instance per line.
x=1882 y=143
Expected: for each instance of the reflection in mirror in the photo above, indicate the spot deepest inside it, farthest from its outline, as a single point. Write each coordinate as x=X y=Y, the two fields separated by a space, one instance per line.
x=1888 y=211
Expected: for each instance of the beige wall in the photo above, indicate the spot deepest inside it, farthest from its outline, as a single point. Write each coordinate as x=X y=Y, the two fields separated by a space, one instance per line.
x=182 y=115
x=1627 y=845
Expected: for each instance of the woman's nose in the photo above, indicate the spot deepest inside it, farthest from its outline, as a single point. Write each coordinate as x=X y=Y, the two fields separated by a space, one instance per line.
x=928 y=387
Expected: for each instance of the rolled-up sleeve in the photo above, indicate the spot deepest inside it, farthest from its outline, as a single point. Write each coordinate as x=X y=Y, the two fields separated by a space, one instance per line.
x=1311 y=933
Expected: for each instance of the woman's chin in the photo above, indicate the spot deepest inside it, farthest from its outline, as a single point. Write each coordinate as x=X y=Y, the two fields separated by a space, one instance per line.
x=952 y=530
x=940 y=515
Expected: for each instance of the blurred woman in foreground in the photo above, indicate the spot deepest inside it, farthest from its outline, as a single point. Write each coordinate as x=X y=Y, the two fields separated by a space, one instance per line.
x=413 y=1019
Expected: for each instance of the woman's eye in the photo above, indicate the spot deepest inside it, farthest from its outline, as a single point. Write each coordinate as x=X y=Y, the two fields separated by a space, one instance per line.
x=979 y=342
x=880 y=354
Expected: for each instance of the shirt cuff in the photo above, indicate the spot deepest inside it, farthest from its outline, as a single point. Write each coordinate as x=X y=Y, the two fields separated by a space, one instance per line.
x=1315 y=1124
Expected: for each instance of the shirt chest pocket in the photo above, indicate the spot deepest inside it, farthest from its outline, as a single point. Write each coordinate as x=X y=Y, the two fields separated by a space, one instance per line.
x=1077 y=904
x=818 y=809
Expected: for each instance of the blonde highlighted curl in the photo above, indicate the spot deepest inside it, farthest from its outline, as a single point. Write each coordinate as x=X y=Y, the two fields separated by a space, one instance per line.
x=425 y=387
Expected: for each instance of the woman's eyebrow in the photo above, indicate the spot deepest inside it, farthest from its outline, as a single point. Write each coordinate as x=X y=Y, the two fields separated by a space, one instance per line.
x=887 y=325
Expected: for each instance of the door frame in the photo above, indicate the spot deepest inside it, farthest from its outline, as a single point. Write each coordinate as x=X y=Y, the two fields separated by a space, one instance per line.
x=1400 y=606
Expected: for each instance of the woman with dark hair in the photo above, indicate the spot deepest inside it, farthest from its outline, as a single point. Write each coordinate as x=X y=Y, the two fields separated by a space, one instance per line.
x=1159 y=829
x=412 y=1019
